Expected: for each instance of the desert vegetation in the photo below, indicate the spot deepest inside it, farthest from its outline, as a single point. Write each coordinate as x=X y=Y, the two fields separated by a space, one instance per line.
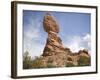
x=84 y=61
x=37 y=62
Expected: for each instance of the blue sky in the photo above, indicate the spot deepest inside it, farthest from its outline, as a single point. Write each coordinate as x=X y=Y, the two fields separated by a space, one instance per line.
x=75 y=30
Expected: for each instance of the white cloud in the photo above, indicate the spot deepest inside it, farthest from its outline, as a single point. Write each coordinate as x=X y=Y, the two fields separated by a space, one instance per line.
x=87 y=39
x=33 y=48
x=31 y=38
x=77 y=43
x=32 y=30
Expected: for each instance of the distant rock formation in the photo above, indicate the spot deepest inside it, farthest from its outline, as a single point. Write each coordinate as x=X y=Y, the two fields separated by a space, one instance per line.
x=75 y=57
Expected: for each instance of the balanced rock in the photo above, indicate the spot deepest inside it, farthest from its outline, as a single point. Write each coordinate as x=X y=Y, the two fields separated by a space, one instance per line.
x=54 y=43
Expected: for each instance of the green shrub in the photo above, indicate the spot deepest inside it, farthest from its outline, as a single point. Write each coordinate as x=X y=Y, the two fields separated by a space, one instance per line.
x=38 y=63
x=84 y=61
x=50 y=65
x=27 y=61
x=69 y=64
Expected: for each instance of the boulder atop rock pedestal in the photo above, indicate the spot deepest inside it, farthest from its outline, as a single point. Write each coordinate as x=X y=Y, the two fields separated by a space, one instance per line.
x=54 y=43
x=50 y=24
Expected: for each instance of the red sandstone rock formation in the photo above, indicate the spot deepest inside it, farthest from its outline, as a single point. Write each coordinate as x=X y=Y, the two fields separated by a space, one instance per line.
x=54 y=43
x=54 y=52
